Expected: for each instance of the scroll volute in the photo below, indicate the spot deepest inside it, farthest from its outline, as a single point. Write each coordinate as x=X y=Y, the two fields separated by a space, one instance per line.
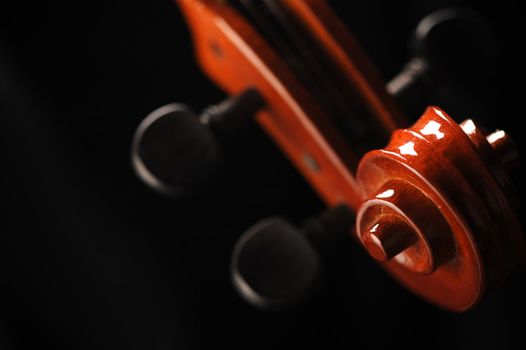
x=440 y=212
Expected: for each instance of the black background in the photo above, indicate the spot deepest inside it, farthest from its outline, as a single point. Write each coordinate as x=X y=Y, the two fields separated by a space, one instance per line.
x=92 y=259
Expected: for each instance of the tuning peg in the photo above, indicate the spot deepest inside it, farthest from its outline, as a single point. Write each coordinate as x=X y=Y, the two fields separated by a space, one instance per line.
x=178 y=153
x=453 y=44
x=276 y=265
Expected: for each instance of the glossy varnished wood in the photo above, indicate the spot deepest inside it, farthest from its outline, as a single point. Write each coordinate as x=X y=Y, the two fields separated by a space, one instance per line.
x=458 y=210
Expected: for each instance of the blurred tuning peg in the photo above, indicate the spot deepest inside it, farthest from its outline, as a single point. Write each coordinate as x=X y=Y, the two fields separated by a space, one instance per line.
x=178 y=153
x=275 y=265
x=453 y=44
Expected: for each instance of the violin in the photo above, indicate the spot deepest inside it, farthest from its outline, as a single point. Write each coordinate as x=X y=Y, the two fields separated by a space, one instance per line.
x=433 y=202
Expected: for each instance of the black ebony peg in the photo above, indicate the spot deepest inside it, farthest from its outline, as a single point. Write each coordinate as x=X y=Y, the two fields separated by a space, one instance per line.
x=276 y=265
x=177 y=152
x=450 y=45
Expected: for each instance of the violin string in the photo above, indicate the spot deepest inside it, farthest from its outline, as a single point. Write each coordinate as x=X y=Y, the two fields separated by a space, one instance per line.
x=309 y=66
x=334 y=100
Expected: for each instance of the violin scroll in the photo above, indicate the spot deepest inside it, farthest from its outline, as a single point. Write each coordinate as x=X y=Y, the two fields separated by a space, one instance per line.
x=439 y=211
